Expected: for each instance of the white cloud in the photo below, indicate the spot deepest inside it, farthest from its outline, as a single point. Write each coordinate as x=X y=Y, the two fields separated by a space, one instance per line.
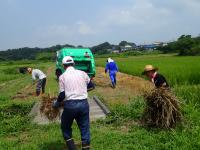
x=59 y=30
x=141 y=12
x=149 y=20
x=84 y=28
x=64 y=33
x=113 y=21
x=143 y=20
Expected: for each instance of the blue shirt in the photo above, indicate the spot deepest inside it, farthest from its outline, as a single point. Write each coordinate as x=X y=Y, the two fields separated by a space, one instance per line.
x=112 y=66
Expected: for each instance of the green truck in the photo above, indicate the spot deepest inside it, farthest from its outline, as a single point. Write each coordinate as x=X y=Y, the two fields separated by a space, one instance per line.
x=83 y=58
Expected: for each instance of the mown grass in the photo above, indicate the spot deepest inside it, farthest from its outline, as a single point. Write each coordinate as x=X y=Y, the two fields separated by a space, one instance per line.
x=120 y=131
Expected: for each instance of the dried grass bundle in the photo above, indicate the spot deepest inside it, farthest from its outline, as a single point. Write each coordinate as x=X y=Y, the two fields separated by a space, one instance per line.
x=162 y=109
x=47 y=109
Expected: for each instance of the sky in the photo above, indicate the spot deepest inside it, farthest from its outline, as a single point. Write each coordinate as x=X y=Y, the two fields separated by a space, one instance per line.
x=44 y=23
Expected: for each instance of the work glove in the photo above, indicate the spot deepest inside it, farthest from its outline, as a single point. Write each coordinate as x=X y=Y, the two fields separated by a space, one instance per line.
x=90 y=86
x=56 y=104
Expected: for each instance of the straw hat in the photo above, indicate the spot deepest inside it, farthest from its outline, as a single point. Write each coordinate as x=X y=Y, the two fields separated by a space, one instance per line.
x=29 y=69
x=148 y=68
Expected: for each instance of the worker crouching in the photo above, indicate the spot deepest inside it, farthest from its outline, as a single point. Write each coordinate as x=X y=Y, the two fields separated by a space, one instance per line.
x=73 y=85
x=41 y=79
x=158 y=79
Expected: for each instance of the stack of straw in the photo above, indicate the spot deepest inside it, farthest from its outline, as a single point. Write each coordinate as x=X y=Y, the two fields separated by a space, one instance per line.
x=47 y=109
x=162 y=109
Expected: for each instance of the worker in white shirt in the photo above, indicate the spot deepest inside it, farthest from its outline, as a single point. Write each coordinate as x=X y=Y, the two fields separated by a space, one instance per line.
x=73 y=91
x=40 y=77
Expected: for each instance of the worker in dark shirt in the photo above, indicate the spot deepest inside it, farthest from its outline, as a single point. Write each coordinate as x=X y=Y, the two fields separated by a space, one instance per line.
x=158 y=79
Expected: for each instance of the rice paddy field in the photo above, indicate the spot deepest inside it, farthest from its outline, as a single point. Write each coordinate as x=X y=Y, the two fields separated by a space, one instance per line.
x=178 y=70
x=119 y=131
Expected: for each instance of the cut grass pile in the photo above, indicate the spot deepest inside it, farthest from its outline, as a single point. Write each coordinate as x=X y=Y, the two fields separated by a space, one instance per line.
x=162 y=109
x=46 y=108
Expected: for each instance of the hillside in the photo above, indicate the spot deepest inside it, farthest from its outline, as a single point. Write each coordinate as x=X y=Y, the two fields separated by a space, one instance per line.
x=27 y=53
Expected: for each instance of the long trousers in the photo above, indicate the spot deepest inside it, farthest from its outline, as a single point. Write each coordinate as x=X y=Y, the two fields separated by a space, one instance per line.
x=112 y=75
x=41 y=85
x=78 y=110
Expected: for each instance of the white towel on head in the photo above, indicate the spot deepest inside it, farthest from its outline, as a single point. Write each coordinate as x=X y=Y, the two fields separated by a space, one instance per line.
x=110 y=60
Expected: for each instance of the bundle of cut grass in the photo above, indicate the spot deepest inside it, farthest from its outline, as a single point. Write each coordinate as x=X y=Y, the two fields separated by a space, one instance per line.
x=47 y=109
x=162 y=109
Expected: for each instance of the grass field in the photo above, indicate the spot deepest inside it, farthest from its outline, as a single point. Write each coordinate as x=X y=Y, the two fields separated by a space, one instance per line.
x=120 y=131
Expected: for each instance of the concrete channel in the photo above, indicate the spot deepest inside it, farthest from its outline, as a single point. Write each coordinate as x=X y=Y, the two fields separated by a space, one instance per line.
x=97 y=111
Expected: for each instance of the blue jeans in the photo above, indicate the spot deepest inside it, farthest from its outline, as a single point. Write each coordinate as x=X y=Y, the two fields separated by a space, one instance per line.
x=113 y=77
x=78 y=110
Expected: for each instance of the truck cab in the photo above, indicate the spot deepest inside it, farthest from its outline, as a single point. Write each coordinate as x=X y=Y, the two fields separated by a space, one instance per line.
x=83 y=58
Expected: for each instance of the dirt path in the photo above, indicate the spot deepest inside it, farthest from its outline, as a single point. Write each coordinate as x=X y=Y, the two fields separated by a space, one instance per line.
x=50 y=71
x=127 y=87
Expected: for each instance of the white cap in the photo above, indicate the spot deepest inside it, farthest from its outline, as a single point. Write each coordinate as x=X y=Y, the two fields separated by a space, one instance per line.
x=110 y=60
x=67 y=60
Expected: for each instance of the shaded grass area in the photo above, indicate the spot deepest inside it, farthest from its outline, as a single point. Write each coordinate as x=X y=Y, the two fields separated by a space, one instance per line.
x=120 y=130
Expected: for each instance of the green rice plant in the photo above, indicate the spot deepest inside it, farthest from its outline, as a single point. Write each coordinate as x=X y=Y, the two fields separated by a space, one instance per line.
x=132 y=110
x=190 y=94
x=177 y=70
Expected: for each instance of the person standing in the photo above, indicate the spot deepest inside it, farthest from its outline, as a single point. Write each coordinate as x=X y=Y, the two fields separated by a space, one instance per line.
x=41 y=79
x=73 y=85
x=111 y=66
x=158 y=79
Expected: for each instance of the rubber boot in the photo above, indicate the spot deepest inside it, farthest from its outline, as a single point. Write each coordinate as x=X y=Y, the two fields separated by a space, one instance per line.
x=85 y=147
x=70 y=144
x=113 y=85
x=37 y=93
x=115 y=82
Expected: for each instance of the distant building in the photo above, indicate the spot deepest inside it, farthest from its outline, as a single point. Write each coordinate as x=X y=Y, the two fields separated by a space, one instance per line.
x=109 y=50
x=116 y=51
x=152 y=46
x=127 y=47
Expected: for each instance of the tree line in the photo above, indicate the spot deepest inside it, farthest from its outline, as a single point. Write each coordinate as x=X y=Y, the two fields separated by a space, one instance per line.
x=184 y=45
x=33 y=53
x=28 y=53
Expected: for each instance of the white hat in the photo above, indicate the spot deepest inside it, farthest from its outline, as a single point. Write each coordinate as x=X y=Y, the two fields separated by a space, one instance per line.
x=67 y=60
x=110 y=60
